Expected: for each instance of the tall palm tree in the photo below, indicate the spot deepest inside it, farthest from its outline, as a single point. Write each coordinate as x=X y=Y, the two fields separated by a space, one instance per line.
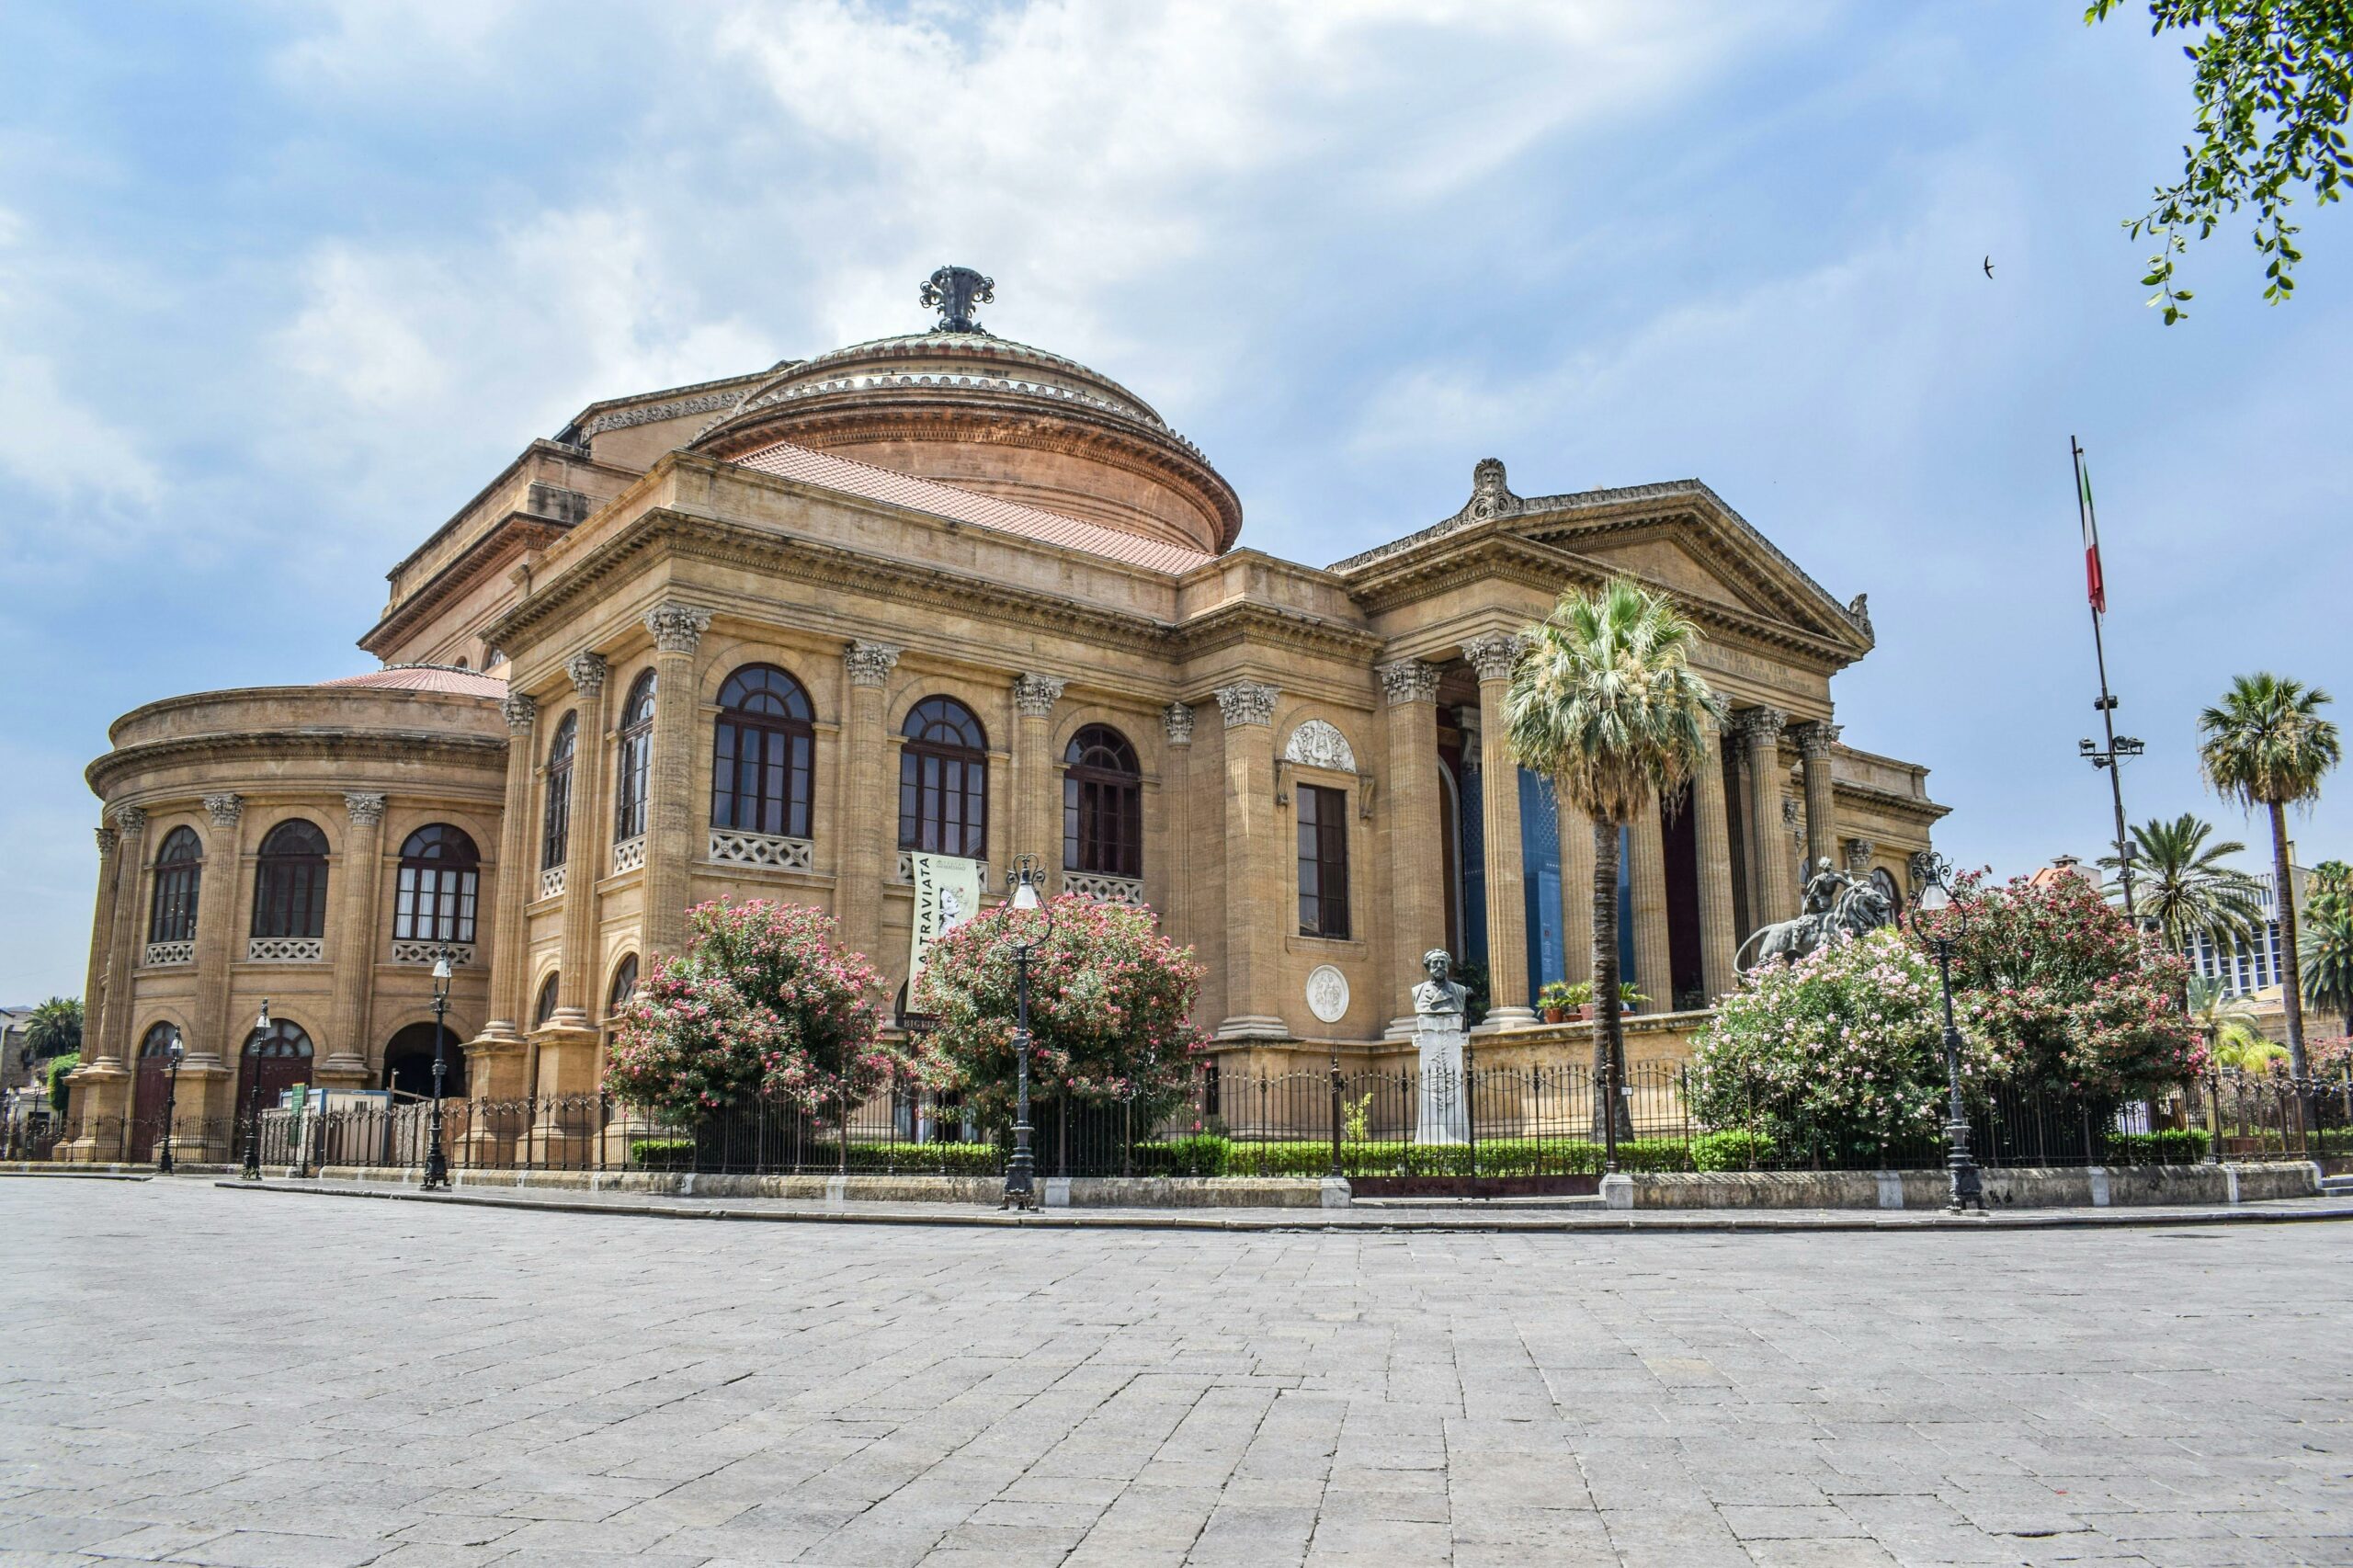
x=2184 y=889
x=2266 y=745
x=2325 y=951
x=1604 y=702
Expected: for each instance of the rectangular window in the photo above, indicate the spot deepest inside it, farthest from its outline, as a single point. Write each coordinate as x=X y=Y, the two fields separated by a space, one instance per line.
x=1322 y=861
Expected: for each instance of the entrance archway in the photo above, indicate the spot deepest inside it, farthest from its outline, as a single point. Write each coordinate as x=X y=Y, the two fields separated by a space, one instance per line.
x=408 y=1065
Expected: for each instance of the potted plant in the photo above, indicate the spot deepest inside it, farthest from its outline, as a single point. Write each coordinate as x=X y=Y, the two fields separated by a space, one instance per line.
x=1563 y=1002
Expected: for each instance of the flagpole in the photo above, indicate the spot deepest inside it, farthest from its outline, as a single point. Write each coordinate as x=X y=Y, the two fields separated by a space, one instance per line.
x=2106 y=703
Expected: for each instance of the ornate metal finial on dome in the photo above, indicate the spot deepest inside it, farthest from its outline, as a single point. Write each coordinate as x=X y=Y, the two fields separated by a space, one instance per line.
x=953 y=292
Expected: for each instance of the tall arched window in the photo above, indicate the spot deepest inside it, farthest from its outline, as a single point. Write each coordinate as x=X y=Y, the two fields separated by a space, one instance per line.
x=179 y=875
x=636 y=759
x=624 y=985
x=1102 y=804
x=944 y=780
x=440 y=878
x=555 y=825
x=760 y=755
x=290 y=881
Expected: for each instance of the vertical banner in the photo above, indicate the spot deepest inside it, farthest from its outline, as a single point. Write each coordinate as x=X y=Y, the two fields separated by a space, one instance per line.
x=948 y=893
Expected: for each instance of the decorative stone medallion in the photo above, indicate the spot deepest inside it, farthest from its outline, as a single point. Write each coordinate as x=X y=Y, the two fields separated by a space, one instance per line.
x=1327 y=993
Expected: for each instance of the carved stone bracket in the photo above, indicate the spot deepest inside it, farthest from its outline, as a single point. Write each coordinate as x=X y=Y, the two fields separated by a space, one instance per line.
x=365 y=806
x=587 y=672
x=520 y=711
x=1246 y=702
x=1034 y=696
x=226 y=810
x=870 y=664
x=1177 y=719
x=1494 y=655
x=678 y=628
x=1409 y=680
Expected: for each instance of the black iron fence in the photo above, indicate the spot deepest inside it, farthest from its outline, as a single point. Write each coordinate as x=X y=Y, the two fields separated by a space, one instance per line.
x=1495 y=1123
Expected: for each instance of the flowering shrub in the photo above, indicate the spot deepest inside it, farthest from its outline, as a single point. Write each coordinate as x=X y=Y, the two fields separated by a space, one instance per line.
x=764 y=1007
x=1839 y=1053
x=2057 y=991
x=1111 y=1010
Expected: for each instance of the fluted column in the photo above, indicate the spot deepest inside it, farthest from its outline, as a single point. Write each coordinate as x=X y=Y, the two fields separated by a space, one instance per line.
x=584 y=858
x=868 y=815
x=1256 y=886
x=94 y=986
x=1653 y=950
x=1718 y=939
x=519 y=873
x=123 y=953
x=1413 y=829
x=1034 y=773
x=216 y=927
x=1760 y=731
x=357 y=949
x=1493 y=657
x=671 y=850
x=1814 y=741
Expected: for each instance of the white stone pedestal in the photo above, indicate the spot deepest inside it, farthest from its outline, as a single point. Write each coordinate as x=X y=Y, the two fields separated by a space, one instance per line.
x=1443 y=1114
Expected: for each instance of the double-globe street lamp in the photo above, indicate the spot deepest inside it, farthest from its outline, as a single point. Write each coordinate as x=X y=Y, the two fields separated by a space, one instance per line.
x=1021 y=1171
x=172 y=1052
x=1938 y=923
x=436 y=1163
x=253 y=1100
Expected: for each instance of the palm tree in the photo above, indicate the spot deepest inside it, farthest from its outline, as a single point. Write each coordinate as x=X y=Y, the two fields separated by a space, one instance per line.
x=2266 y=745
x=2184 y=891
x=2325 y=951
x=54 y=1027
x=1604 y=702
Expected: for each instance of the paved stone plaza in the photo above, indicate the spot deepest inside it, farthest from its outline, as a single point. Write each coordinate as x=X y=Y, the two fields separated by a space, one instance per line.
x=200 y=1376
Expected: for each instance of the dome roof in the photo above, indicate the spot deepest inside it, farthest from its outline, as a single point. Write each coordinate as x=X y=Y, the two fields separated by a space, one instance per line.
x=446 y=678
x=961 y=406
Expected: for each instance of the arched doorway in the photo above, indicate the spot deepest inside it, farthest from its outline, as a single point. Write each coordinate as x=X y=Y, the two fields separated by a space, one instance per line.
x=408 y=1065
x=280 y=1059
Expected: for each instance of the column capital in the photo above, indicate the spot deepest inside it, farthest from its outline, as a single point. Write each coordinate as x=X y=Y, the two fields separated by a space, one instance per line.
x=1859 y=853
x=1034 y=696
x=870 y=664
x=130 y=821
x=1177 y=719
x=520 y=712
x=1408 y=680
x=587 y=671
x=677 y=628
x=226 y=810
x=1494 y=654
x=365 y=806
x=1246 y=702
x=1815 y=739
x=106 y=837
x=1760 y=726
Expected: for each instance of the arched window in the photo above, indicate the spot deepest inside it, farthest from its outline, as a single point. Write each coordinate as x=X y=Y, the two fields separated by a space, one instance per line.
x=441 y=877
x=555 y=826
x=179 y=874
x=636 y=759
x=624 y=986
x=1102 y=804
x=290 y=881
x=944 y=780
x=760 y=755
x=545 y=1007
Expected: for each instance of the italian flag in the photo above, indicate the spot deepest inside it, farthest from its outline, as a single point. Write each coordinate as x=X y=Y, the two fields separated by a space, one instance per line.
x=2093 y=583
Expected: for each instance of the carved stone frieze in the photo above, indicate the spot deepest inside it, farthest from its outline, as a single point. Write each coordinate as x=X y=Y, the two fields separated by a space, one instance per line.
x=1409 y=680
x=870 y=664
x=678 y=628
x=1034 y=696
x=1494 y=654
x=587 y=672
x=1246 y=702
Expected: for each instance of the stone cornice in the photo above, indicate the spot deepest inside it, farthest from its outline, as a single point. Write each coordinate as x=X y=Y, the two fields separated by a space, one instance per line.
x=270 y=748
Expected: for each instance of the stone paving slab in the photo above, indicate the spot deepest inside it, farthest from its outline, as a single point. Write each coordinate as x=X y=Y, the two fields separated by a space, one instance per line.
x=1391 y=1216
x=194 y=1376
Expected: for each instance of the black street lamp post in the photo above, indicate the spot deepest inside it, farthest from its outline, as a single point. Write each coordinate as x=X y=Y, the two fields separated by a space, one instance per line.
x=1021 y=1172
x=1932 y=897
x=436 y=1163
x=253 y=1100
x=172 y=1052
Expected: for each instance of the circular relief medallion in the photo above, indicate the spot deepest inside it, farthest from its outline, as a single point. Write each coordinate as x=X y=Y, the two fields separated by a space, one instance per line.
x=1327 y=993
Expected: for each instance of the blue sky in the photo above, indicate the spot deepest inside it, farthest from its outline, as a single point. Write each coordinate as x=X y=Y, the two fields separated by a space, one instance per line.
x=282 y=284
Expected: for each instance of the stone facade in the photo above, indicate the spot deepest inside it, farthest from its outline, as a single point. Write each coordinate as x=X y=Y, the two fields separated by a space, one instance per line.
x=954 y=515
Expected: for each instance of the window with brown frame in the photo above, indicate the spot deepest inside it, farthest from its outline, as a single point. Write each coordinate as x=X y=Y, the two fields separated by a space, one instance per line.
x=944 y=780
x=179 y=877
x=635 y=762
x=555 y=821
x=440 y=880
x=1102 y=804
x=290 y=881
x=1323 y=861
x=762 y=751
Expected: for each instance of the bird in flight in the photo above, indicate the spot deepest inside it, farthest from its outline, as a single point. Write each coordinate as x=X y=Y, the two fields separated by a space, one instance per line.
x=1989 y=267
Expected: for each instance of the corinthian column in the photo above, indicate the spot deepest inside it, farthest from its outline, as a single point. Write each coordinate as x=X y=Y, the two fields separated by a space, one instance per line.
x=519 y=881
x=1035 y=812
x=355 y=946
x=1255 y=912
x=584 y=859
x=1718 y=939
x=1508 y=987
x=1760 y=729
x=670 y=849
x=1814 y=741
x=1413 y=830
x=216 y=928
x=867 y=814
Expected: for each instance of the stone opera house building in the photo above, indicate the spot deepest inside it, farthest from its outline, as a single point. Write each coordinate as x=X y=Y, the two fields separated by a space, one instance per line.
x=768 y=636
